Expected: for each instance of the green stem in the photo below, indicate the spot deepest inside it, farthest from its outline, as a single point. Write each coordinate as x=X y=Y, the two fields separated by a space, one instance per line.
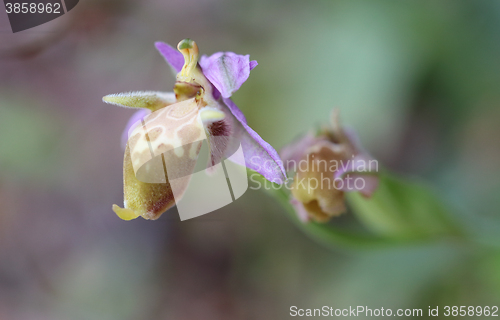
x=328 y=234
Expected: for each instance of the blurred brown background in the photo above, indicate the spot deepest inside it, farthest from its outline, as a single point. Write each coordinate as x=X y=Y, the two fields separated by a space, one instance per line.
x=419 y=80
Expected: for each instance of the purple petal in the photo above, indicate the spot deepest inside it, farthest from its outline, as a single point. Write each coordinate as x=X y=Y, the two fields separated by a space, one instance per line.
x=227 y=71
x=365 y=182
x=361 y=168
x=292 y=153
x=300 y=210
x=235 y=111
x=173 y=57
x=137 y=116
x=215 y=93
x=370 y=184
x=259 y=155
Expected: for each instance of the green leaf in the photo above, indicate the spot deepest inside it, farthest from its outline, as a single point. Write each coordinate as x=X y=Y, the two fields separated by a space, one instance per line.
x=403 y=209
x=325 y=233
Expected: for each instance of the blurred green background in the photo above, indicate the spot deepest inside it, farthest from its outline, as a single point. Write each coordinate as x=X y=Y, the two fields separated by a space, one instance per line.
x=419 y=80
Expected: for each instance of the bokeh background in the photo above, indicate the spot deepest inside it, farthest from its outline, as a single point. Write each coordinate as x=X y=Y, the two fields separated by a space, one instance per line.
x=419 y=80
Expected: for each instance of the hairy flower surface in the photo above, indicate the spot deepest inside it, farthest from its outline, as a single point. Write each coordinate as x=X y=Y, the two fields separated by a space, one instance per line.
x=163 y=140
x=325 y=165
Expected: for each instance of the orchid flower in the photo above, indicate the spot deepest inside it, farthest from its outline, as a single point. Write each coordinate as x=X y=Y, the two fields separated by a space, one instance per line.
x=326 y=164
x=176 y=123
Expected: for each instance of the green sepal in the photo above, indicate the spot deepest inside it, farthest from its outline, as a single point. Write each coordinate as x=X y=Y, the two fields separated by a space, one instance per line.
x=141 y=99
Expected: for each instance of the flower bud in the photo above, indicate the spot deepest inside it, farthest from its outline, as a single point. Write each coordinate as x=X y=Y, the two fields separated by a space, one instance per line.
x=325 y=165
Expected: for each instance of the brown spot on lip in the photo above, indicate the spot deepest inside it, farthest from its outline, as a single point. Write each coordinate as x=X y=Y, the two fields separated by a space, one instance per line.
x=154 y=133
x=219 y=128
x=189 y=134
x=163 y=148
x=133 y=140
